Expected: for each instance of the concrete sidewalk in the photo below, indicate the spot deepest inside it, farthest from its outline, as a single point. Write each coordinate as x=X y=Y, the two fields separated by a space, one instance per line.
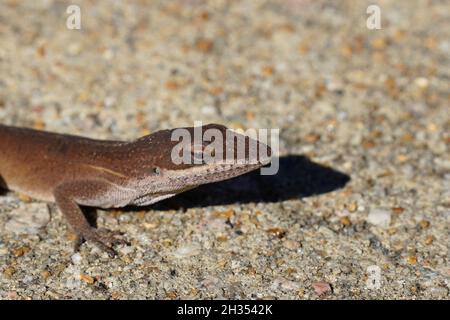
x=361 y=206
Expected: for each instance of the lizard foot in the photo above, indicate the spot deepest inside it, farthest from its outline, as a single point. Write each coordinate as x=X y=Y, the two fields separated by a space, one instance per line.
x=103 y=238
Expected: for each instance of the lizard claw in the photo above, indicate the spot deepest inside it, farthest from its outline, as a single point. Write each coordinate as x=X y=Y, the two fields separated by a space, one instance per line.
x=79 y=240
x=103 y=238
x=114 y=237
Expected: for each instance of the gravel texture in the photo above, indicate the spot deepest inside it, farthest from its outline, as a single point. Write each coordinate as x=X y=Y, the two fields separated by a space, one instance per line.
x=364 y=181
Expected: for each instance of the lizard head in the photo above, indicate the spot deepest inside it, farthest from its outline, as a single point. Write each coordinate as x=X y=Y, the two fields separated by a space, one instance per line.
x=172 y=161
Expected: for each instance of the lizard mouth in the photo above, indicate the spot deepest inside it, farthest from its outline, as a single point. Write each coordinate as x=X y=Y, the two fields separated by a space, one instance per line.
x=218 y=172
x=183 y=179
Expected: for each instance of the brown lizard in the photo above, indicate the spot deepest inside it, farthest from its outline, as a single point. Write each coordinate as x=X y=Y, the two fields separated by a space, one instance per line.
x=76 y=171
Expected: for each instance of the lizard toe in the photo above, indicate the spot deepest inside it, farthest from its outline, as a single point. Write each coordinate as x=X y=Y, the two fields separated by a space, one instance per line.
x=106 y=248
x=104 y=239
x=79 y=240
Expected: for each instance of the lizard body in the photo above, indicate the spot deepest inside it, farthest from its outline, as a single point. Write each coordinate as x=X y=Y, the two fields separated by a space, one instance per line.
x=75 y=171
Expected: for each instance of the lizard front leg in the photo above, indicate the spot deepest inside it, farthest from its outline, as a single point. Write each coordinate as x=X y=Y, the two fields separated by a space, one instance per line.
x=69 y=197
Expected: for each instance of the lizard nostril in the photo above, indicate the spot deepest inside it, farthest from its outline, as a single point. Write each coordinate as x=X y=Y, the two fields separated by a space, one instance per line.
x=156 y=170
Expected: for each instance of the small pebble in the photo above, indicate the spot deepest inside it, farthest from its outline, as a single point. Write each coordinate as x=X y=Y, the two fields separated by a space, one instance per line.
x=9 y=271
x=149 y=226
x=429 y=240
x=284 y=284
x=321 y=287
x=424 y=224
x=291 y=244
x=379 y=217
x=45 y=274
x=412 y=259
x=204 y=45
x=398 y=210
x=76 y=258
x=209 y=110
x=277 y=232
x=345 y=221
x=187 y=251
x=87 y=278
x=171 y=294
x=18 y=252
x=172 y=85
x=352 y=206
x=421 y=82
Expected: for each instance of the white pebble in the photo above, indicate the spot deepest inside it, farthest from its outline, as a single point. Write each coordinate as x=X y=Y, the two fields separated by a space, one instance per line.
x=421 y=82
x=76 y=258
x=379 y=217
x=109 y=102
x=27 y=279
x=124 y=218
x=187 y=251
x=208 y=110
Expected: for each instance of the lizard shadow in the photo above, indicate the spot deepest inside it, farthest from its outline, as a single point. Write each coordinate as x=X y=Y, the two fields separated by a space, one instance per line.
x=297 y=177
x=2 y=186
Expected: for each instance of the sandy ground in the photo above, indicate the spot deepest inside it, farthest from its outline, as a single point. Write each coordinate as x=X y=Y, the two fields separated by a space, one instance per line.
x=361 y=205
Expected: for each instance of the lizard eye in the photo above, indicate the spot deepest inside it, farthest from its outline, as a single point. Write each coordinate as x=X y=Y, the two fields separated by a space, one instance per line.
x=156 y=170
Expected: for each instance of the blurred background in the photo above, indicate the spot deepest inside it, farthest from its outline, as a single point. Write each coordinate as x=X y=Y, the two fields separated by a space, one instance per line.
x=370 y=104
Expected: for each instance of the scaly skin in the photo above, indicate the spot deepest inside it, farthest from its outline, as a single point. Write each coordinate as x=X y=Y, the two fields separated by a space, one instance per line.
x=75 y=171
